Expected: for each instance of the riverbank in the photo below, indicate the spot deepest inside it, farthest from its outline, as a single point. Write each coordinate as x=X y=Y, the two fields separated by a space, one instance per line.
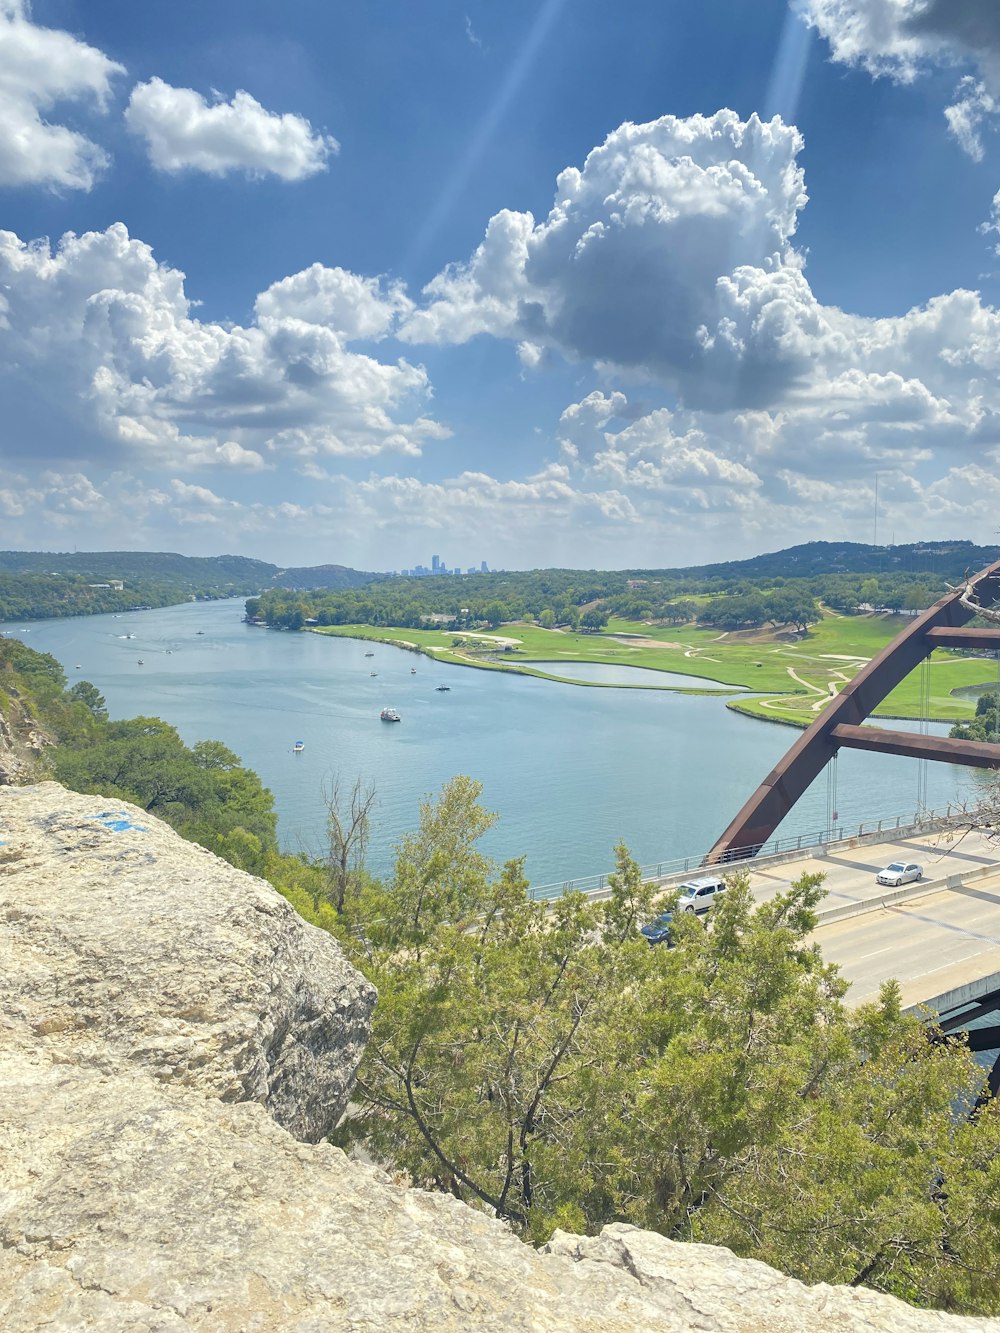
x=792 y=675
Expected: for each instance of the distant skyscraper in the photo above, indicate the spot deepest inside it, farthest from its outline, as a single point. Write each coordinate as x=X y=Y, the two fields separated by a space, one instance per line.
x=435 y=563
x=484 y=567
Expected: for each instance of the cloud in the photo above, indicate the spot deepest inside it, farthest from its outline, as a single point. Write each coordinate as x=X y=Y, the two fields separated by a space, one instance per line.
x=40 y=68
x=185 y=132
x=356 y=307
x=99 y=338
x=974 y=109
x=902 y=39
x=668 y=254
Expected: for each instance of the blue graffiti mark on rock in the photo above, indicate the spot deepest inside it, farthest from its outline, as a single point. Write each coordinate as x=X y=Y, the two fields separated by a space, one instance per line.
x=118 y=821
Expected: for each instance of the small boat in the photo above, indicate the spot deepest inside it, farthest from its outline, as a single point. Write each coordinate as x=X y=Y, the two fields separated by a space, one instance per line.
x=78 y=667
x=441 y=688
x=374 y=673
x=413 y=671
x=298 y=747
x=390 y=715
x=201 y=631
x=140 y=662
x=369 y=654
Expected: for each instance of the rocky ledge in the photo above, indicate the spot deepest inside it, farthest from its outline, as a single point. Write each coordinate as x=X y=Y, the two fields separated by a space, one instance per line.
x=170 y=1033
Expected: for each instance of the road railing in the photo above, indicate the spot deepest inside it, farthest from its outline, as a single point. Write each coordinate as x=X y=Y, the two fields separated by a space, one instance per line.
x=769 y=853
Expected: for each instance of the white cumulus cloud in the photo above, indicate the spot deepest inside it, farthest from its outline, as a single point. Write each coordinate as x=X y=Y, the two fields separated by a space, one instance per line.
x=39 y=69
x=669 y=253
x=183 y=131
x=98 y=339
x=905 y=38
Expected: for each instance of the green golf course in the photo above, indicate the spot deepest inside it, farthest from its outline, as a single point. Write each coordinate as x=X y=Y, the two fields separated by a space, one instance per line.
x=792 y=675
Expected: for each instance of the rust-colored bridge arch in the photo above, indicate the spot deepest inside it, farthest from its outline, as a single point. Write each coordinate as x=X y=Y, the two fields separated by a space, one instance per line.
x=942 y=626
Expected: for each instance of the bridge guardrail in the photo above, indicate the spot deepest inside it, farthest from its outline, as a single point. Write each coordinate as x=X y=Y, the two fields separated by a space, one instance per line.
x=777 y=848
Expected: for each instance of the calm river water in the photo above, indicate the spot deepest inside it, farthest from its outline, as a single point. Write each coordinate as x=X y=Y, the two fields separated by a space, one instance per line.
x=569 y=769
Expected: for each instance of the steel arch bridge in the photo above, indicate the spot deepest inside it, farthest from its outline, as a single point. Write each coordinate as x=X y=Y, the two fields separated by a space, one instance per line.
x=944 y=625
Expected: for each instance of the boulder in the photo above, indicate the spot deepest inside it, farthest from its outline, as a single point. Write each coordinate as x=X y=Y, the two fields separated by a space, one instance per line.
x=124 y=945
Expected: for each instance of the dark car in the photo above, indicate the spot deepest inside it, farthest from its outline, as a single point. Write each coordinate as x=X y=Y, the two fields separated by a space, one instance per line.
x=658 y=931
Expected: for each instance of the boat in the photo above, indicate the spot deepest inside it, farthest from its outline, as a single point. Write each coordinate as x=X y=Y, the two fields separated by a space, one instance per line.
x=140 y=662
x=441 y=688
x=413 y=671
x=390 y=715
x=369 y=654
x=298 y=747
x=374 y=673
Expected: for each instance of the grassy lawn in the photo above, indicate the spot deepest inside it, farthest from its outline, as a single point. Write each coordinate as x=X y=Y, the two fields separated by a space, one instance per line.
x=793 y=676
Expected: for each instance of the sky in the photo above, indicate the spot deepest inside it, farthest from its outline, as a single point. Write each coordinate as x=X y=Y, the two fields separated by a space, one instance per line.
x=547 y=283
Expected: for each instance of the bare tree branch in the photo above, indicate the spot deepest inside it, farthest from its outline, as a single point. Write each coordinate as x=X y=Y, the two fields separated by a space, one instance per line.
x=348 y=826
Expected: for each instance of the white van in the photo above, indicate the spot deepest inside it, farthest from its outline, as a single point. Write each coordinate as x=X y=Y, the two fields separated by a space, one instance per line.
x=698 y=895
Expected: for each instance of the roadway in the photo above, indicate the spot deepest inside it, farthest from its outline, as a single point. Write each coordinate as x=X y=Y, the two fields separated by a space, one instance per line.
x=932 y=942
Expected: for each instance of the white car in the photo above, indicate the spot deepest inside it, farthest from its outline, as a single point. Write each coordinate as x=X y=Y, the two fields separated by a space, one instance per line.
x=698 y=895
x=900 y=872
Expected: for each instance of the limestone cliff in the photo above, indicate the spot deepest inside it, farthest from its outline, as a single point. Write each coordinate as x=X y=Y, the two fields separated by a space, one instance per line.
x=170 y=1033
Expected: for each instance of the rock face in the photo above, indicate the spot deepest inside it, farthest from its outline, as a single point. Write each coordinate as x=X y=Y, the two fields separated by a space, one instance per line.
x=20 y=745
x=160 y=1013
x=124 y=946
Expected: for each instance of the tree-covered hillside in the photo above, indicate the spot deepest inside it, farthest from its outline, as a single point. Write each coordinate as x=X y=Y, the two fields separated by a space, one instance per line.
x=37 y=585
x=781 y=587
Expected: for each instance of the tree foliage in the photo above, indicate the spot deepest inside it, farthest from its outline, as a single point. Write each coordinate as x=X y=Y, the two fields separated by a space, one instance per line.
x=985 y=726
x=542 y=1061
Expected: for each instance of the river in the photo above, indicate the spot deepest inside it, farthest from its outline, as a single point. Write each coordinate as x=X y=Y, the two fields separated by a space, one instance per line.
x=569 y=769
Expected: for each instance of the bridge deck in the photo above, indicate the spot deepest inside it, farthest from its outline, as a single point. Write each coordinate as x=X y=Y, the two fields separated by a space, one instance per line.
x=934 y=941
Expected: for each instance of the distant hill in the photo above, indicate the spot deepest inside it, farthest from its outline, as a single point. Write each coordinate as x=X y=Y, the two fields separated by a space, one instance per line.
x=949 y=560
x=36 y=585
x=237 y=572
x=321 y=576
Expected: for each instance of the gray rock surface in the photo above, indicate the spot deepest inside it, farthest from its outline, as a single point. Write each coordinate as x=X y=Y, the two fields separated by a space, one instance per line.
x=145 y=989
x=121 y=944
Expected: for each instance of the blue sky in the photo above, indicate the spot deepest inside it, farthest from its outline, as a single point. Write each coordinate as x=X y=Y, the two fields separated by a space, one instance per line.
x=541 y=283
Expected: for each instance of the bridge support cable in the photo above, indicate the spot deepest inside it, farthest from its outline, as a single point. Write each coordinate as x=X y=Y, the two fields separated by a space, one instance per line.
x=924 y=729
x=944 y=625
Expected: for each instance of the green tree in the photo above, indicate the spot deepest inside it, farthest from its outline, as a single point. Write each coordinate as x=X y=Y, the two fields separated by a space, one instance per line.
x=495 y=613
x=916 y=597
x=91 y=698
x=546 y=1063
x=985 y=726
x=595 y=619
x=869 y=592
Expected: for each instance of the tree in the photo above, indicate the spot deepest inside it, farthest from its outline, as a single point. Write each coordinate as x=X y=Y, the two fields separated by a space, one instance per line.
x=348 y=825
x=547 y=1064
x=985 y=726
x=869 y=592
x=916 y=597
x=495 y=613
x=483 y=1051
x=595 y=619
x=91 y=698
